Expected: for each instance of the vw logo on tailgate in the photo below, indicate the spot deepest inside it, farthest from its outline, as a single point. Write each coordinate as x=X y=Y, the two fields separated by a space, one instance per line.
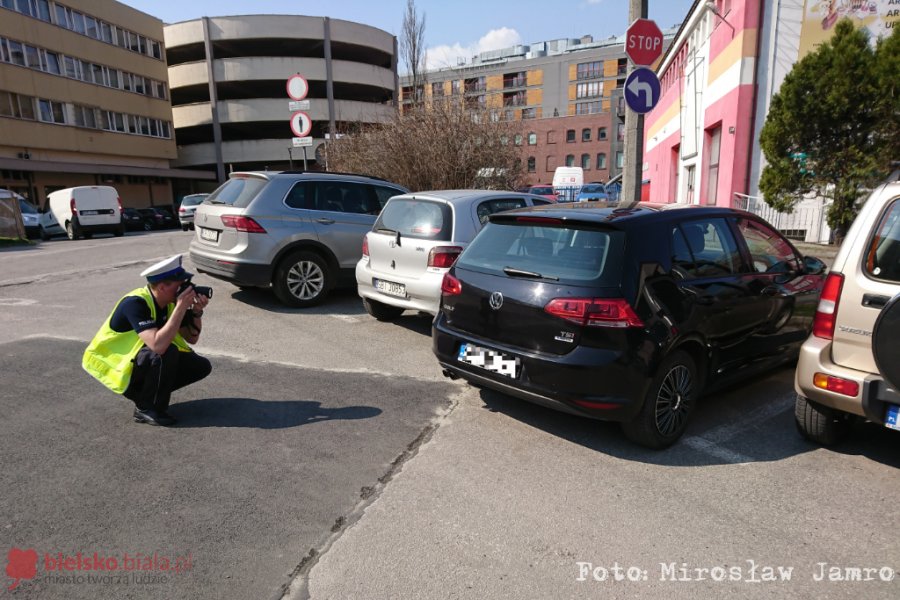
x=496 y=300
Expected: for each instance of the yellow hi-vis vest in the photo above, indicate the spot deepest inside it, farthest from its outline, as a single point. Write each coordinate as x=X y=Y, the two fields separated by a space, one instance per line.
x=110 y=355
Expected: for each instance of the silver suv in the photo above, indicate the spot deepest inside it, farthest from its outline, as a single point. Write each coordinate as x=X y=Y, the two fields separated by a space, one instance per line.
x=299 y=232
x=849 y=368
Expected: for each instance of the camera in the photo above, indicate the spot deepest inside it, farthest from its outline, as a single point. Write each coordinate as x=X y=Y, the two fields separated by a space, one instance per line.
x=202 y=290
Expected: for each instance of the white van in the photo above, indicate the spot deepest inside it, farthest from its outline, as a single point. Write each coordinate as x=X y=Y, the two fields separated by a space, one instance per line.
x=86 y=210
x=567 y=182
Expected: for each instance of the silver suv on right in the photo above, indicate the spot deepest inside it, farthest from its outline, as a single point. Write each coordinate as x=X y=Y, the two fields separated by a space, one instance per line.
x=849 y=368
x=299 y=232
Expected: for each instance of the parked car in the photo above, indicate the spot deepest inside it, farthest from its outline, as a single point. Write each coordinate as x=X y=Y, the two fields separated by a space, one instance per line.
x=592 y=192
x=31 y=218
x=169 y=221
x=416 y=239
x=189 y=204
x=624 y=314
x=300 y=233
x=152 y=219
x=545 y=191
x=85 y=210
x=849 y=368
x=134 y=220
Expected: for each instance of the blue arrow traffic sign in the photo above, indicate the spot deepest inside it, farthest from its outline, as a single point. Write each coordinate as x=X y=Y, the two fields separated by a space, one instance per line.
x=642 y=90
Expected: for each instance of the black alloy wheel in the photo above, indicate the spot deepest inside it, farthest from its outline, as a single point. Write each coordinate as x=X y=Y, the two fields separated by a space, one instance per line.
x=668 y=404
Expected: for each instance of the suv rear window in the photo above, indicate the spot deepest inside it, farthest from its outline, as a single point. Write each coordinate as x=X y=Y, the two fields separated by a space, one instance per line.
x=883 y=254
x=238 y=191
x=569 y=254
x=414 y=218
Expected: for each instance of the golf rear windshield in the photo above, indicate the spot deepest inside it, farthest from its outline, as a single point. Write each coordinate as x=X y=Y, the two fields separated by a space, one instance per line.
x=569 y=254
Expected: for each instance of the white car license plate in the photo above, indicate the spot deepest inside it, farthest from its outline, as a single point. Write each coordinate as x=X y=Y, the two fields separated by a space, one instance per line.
x=390 y=288
x=491 y=360
x=892 y=420
x=209 y=234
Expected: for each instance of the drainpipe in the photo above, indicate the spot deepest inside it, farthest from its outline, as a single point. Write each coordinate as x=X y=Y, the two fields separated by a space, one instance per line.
x=762 y=12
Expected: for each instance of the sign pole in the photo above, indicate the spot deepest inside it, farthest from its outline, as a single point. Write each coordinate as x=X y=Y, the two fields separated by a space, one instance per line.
x=634 y=129
x=304 y=159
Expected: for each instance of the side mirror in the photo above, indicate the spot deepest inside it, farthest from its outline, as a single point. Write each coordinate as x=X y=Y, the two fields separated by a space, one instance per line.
x=813 y=266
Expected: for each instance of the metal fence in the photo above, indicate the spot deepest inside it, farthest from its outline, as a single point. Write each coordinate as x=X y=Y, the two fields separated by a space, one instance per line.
x=806 y=223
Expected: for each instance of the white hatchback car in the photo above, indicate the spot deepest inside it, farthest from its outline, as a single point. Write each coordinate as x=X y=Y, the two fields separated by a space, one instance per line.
x=416 y=239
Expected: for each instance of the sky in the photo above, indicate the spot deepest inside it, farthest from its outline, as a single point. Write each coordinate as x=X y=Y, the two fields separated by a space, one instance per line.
x=453 y=29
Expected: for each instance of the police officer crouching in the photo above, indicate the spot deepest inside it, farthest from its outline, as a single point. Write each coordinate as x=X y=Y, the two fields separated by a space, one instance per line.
x=142 y=350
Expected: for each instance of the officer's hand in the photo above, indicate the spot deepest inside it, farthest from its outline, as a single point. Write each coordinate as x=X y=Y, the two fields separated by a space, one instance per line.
x=200 y=302
x=186 y=298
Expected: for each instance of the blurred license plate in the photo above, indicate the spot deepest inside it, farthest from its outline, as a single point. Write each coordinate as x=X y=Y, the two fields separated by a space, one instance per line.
x=390 y=288
x=209 y=234
x=892 y=420
x=491 y=360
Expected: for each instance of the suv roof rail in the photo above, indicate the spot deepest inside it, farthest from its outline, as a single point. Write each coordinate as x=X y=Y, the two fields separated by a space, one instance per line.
x=301 y=172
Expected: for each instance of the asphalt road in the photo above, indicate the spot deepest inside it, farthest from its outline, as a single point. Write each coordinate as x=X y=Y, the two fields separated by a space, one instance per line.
x=326 y=431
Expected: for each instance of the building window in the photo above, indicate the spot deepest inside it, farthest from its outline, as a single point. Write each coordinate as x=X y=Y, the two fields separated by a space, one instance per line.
x=570 y=160
x=620 y=160
x=586 y=134
x=454 y=87
x=587 y=108
x=601 y=160
x=518 y=139
x=622 y=66
x=475 y=84
x=585 y=161
x=714 y=139
x=51 y=112
x=589 y=90
x=511 y=80
x=532 y=138
x=620 y=132
x=570 y=135
x=601 y=133
x=529 y=113
x=551 y=163
x=531 y=164
x=589 y=70
x=514 y=99
x=437 y=89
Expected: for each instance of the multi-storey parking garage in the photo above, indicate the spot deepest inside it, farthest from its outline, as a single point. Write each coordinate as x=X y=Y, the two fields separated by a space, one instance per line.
x=228 y=77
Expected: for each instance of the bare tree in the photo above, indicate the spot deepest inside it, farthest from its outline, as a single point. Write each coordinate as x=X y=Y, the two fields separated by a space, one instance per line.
x=412 y=49
x=443 y=145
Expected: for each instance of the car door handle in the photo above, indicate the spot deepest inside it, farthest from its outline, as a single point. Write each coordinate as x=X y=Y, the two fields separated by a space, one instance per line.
x=325 y=221
x=771 y=290
x=875 y=300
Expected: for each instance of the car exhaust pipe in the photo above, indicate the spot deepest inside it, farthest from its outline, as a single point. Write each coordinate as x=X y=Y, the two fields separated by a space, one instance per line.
x=448 y=373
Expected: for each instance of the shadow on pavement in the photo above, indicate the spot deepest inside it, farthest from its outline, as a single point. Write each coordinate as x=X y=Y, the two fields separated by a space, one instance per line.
x=341 y=301
x=258 y=414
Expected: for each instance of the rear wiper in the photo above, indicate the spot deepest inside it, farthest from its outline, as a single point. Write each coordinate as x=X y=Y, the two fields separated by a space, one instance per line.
x=520 y=273
x=391 y=231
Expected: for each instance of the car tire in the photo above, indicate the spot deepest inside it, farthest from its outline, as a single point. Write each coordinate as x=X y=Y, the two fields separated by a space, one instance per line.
x=44 y=235
x=184 y=227
x=820 y=424
x=120 y=231
x=381 y=311
x=669 y=402
x=302 y=279
x=73 y=231
x=148 y=226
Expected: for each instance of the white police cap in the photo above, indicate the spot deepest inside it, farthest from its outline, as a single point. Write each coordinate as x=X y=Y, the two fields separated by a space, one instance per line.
x=169 y=268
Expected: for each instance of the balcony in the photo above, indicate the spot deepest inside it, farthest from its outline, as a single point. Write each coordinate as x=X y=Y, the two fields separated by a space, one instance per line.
x=514 y=82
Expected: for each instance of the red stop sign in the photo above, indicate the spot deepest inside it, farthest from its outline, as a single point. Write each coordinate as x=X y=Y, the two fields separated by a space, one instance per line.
x=643 y=42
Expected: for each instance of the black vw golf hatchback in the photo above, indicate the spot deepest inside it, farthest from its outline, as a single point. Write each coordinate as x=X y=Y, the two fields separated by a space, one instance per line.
x=625 y=313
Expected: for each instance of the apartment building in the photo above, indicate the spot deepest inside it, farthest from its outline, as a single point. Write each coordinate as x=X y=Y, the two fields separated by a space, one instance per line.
x=567 y=93
x=84 y=100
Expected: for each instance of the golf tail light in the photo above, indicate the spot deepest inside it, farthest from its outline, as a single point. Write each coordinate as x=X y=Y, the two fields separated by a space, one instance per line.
x=826 y=313
x=450 y=285
x=595 y=312
x=443 y=257
x=845 y=387
x=365 y=251
x=242 y=224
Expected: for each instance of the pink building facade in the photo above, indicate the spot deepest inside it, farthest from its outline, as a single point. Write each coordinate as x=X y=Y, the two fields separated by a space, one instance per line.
x=699 y=139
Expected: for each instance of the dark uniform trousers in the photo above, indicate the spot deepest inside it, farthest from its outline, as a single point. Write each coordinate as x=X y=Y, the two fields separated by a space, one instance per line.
x=155 y=376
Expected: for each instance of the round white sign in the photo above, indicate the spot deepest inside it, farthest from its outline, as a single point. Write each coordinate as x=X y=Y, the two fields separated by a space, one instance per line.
x=301 y=124
x=297 y=87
